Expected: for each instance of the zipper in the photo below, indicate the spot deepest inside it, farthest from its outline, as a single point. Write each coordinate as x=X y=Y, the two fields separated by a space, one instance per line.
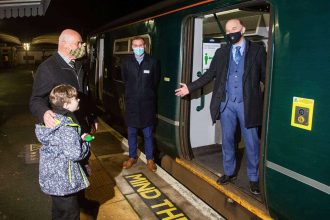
x=70 y=172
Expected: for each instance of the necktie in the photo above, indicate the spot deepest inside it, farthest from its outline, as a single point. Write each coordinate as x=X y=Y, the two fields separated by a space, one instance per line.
x=238 y=55
x=72 y=64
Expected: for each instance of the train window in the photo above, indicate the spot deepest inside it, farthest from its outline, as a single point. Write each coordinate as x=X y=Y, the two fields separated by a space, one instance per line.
x=121 y=46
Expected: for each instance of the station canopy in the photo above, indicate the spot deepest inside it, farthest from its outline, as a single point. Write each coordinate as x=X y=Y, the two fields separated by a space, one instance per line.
x=23 y=8
x=42 y=39
x=46 y=39
x=8 y=38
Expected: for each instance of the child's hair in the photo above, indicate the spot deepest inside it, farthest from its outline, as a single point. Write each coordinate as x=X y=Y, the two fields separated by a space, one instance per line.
x=61 y=94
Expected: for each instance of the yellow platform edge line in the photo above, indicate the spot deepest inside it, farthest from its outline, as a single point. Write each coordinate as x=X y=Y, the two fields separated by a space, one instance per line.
x=243 y=202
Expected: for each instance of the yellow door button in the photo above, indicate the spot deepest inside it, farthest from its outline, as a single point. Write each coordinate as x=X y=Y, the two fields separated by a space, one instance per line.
x=301 y=119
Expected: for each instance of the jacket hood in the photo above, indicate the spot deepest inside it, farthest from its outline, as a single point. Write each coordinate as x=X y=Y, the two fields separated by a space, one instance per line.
x=45 y=135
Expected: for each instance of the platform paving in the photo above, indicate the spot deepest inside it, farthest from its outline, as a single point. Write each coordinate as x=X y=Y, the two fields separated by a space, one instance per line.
x=20 y=195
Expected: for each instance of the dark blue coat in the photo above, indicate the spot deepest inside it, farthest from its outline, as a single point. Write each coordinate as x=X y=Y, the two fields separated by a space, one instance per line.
x=141 y=82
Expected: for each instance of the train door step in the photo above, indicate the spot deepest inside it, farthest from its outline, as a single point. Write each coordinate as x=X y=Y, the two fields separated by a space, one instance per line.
x=230 y=192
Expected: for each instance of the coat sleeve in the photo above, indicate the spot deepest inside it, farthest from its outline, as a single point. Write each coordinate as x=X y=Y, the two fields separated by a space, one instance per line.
x=39 y=101
x=207 y=76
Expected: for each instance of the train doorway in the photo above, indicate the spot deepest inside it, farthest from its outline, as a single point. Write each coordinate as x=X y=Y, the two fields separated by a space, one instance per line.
x=208 y=35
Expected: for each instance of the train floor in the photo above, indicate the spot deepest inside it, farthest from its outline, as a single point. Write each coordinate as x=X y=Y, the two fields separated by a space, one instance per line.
x=114 y=193
x=210 y=157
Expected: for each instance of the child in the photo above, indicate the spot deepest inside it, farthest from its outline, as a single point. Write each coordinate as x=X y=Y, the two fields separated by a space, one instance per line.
x=60 y=173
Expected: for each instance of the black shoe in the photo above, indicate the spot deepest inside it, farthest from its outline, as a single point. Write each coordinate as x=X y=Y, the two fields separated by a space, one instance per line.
x=254 y=187
x=224 y=179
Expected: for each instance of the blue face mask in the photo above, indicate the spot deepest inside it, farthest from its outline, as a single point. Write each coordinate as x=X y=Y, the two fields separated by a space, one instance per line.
x=138 y=51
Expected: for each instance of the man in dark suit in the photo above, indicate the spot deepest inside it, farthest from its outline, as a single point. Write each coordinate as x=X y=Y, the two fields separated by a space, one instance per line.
x=238 y=69
x=63 y=67
x=141 y=74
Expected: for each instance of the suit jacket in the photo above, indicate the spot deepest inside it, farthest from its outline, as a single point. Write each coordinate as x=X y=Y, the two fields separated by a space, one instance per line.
x=254 y=73
x=141 y=82
x=53 y=72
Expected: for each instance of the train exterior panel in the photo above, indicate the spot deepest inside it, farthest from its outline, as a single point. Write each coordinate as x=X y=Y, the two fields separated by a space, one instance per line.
x=297 y=174
x=294 y=163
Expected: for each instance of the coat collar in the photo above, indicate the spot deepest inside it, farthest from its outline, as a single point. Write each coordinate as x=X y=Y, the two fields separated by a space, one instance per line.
x=64 y=65
x=61 y=62
x=146 y=58
x=144 y=62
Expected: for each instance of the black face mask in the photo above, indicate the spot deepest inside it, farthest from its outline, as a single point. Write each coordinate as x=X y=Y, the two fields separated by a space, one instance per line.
x=234 y=37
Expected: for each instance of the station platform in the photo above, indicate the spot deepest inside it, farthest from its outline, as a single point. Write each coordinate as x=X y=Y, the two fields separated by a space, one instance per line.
x=136 y=193
x=114 y=193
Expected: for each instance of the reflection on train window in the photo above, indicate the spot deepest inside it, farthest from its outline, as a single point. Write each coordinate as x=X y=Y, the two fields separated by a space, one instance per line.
x=116 y=66
x=122 y=48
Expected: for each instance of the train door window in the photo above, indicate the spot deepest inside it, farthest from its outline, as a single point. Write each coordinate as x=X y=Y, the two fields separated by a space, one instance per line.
x=92 y=56
x=100 y=69
x=122 y=48
x=205 y=138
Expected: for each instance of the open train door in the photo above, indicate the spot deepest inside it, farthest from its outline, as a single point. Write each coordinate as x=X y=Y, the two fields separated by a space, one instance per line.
x=202 y=131
x=197 y=57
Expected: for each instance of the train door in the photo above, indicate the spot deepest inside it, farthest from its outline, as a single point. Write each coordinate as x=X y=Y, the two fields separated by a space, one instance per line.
x=208 y=36
x=202 y=131
x=92 y=53
x=99 y=70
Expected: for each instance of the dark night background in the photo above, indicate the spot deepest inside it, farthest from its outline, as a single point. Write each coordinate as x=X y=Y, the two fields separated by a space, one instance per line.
x=81 y=15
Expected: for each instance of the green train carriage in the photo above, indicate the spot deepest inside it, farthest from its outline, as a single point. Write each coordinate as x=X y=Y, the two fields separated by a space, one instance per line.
x=294 y=165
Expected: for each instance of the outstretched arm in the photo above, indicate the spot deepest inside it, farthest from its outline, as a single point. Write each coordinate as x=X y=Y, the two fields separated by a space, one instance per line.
x=202 y=81
x=182 y=91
